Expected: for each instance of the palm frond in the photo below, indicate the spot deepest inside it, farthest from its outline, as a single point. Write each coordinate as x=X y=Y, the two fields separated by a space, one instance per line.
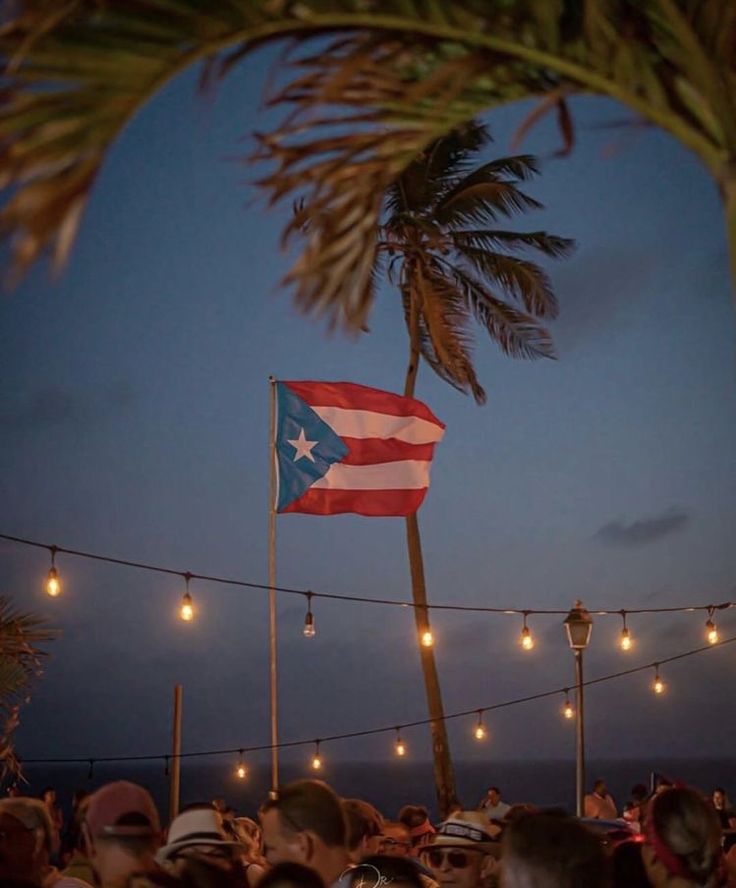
x=517 y=334
x=484 y=202
x=492 y=238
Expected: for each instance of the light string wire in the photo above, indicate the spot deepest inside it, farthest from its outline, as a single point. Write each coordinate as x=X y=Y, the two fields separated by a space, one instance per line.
x=228 y=581
x=392 y=728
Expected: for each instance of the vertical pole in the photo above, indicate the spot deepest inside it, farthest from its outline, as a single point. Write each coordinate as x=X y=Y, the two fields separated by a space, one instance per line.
x=272 y=596
x=580 y=738
x=176 y=757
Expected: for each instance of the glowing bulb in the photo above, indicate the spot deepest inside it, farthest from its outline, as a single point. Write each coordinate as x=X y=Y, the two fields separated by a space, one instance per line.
x=567 y=710
x=527 y=642
x=625 y=639
x=309 y=630
x=658 y=685
x=427 y=639
x=53 y=583
x=712 y=635
x=241 y=771
x=480 y=732
x=316 y=763
x=187 y=608
x=400 y=748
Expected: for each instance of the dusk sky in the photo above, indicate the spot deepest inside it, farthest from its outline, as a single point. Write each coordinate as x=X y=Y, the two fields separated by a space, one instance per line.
x=134 y=423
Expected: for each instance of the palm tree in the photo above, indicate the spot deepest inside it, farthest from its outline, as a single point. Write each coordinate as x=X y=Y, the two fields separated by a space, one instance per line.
x=77 y=71
x=452 y=266
x=20 y=664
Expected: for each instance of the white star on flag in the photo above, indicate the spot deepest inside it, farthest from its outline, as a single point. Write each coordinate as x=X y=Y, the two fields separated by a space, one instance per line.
x=302 y=446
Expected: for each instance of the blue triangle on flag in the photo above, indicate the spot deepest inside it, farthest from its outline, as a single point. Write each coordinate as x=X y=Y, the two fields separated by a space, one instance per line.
x=306 y=446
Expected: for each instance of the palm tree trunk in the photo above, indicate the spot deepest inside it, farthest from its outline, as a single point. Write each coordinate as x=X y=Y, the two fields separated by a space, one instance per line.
x=444 y=775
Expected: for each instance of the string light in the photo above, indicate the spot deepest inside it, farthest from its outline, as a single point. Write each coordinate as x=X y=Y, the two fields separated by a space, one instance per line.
x=526 y=640
x=309 y=630
x=480 y=731
x=241 y=772
x=186 y=611
x=400 y=746
x=316 y=758
x=427 y=639
x=657 y=685
x=567 y=709
x=625 y=642
x=53 y=583
x=710 y=628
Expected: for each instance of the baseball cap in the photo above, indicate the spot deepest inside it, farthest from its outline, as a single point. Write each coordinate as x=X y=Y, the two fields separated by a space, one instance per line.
x=122 y=809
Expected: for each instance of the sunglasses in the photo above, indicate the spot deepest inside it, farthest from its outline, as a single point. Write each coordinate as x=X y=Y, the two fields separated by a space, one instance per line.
x=456 y=859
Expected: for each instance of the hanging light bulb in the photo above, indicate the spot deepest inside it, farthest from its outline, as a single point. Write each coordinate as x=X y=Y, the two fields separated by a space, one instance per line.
x=567 y=710
x=186 y=611
x=400 y=746
x=657 y=685
x=711 y=631
x=241 y=772
x=527 y=640
x=316 y=758
x=309 y=630
x=53 y=583
x=625 y=641
x=480 y=731
x=427 y=639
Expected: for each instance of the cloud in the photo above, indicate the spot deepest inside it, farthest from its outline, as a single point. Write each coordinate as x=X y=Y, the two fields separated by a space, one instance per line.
x=56 y=406
x=645 y=530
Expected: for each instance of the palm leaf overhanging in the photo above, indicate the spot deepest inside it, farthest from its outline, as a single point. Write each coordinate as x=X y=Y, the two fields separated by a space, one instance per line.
x=21 y=661
x=77 y=71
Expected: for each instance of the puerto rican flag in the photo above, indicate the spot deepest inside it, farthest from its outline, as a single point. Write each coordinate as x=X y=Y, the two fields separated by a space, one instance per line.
x=342 y=447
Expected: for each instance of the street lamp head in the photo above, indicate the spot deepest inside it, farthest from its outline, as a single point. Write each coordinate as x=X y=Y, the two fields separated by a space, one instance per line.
x=579 y=625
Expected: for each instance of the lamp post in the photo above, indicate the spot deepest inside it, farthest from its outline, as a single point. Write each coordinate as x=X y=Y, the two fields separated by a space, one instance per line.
x=579 y=625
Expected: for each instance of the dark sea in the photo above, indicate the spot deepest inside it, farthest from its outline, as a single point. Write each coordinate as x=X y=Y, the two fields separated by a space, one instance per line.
x=388 y=785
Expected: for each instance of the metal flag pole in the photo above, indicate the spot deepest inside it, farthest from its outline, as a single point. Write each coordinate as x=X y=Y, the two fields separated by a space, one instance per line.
x=272 y=596
x=176 y=756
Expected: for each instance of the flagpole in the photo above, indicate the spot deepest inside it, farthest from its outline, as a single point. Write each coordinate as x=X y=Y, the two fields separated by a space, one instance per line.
x=272 y=595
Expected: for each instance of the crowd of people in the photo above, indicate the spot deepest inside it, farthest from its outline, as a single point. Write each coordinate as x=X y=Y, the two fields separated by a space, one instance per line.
x=306 y=836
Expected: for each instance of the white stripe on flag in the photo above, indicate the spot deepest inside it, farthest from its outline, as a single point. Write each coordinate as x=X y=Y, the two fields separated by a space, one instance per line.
x=368 y=424
x=407 y=474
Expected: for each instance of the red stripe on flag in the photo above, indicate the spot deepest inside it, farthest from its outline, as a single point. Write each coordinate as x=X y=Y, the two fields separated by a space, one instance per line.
x=351 y=396
x=370 y=451
x=373 y=503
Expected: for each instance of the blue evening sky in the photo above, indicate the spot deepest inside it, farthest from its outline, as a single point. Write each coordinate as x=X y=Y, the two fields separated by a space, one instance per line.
x=134 y=423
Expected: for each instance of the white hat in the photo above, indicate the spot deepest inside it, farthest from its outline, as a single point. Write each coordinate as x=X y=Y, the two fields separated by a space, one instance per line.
x=198 y=826
x=466 y=829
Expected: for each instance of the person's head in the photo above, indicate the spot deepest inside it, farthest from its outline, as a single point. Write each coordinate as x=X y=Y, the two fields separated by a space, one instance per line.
x=395 y=839
x=198 y=834
x=48 y=795
x=382 y=869
x=291 y=875
x=462 y=850
x=551 y=851
x=600 y=788
x=121 y=830
x=365 y=826
x=663 y=784
x=306 y=824
x=639 y=793
x=685 y=834
x=493 y=795
x=27 y=839
x=719 y=798
x=416 y=817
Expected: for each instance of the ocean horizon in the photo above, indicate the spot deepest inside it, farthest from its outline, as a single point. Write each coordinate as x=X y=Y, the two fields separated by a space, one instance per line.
x=388 y=785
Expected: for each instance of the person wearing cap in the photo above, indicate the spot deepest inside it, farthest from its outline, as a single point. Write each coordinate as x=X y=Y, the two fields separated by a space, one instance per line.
x=306 y=824
x=122 y=832
x=463 y=852
x=198 y=834
x=28 y=839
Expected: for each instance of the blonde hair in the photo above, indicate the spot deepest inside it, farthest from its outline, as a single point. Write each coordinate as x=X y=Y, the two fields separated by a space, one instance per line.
x=33 y=814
